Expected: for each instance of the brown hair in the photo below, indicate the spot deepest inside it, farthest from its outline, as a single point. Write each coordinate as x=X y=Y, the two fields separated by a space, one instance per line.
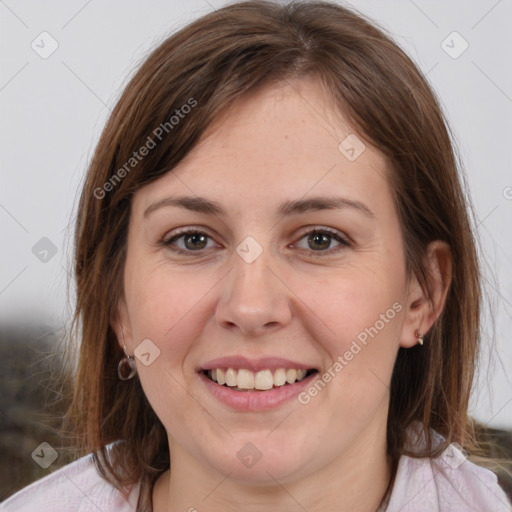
x=213 y=61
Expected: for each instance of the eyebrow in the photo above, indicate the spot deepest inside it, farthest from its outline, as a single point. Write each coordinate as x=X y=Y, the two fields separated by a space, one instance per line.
x=287 y=209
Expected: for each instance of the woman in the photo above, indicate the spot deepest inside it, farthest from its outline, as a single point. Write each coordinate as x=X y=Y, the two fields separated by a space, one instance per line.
x=277 y=284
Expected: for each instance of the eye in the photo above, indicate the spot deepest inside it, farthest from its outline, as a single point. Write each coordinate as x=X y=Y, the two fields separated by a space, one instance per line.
x=319 y=240
x=193 y=241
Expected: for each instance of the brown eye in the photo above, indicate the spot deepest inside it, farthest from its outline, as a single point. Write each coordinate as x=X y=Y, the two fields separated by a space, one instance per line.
x=188 y=241
x=195 y=241
x=320 y=240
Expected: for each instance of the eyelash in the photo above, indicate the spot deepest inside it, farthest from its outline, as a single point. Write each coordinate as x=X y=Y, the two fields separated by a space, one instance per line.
x=186 y=231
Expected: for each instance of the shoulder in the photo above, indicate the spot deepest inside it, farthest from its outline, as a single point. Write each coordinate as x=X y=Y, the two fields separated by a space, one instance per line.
x=77 y=486
x=448 y=483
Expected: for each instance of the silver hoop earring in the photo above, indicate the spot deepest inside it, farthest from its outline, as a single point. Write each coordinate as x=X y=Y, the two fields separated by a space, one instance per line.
x=126 y=369
x=419 y=337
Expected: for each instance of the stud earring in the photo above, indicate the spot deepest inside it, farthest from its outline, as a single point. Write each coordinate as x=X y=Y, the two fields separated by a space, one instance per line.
x=419 y=337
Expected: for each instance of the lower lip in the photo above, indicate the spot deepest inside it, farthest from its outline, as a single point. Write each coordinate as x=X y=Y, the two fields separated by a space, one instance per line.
x=256 y=400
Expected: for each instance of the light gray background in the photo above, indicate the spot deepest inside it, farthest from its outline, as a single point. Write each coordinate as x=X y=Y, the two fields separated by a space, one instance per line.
x=53 y=110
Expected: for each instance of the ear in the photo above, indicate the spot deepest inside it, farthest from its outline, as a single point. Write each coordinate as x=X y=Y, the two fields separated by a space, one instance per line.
x=121 y=326
x=421 y=313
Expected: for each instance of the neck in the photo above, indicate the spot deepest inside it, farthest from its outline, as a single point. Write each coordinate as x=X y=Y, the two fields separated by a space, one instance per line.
x=354 y=481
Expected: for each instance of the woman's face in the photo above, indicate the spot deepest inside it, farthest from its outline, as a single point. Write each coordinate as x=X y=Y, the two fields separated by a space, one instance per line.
x=257 y=283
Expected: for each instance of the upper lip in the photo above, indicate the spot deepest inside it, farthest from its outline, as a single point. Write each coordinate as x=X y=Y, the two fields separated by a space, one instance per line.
x=254 y=365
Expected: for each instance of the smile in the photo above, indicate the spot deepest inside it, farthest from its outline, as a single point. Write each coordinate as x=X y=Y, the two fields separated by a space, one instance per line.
x=250 y=399
x=263 y=380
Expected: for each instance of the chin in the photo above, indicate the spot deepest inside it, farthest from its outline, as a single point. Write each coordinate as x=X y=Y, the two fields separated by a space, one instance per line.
x=259 y=460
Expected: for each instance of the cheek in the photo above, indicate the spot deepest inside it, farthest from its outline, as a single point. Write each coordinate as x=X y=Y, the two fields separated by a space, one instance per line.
x=352 y=300
x=163 y=307
x=362 y=312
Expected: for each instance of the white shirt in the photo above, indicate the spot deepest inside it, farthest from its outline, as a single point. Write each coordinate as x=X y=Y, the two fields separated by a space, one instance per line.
x=419 y=487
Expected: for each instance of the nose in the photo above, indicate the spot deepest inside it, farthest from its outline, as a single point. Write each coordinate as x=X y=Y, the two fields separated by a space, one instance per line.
x=254 y=299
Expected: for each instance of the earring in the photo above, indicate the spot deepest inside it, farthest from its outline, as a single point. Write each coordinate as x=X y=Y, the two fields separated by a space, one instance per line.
x=419 y=337
x=126 y=369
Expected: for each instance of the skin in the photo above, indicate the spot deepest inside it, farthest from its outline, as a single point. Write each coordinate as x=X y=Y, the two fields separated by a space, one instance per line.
x=278 y=144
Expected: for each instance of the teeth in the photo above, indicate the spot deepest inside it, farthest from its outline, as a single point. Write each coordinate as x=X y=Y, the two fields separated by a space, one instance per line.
x=291 y=376
x=231 y=377
x=262 y=380
x=280 y=377
x=245 y=379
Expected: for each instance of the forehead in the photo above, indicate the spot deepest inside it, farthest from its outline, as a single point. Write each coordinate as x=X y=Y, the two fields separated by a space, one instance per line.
x=281 y=142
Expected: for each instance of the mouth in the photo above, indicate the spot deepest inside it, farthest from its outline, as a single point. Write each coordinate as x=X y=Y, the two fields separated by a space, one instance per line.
x=246 y=381
x=263 y=388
